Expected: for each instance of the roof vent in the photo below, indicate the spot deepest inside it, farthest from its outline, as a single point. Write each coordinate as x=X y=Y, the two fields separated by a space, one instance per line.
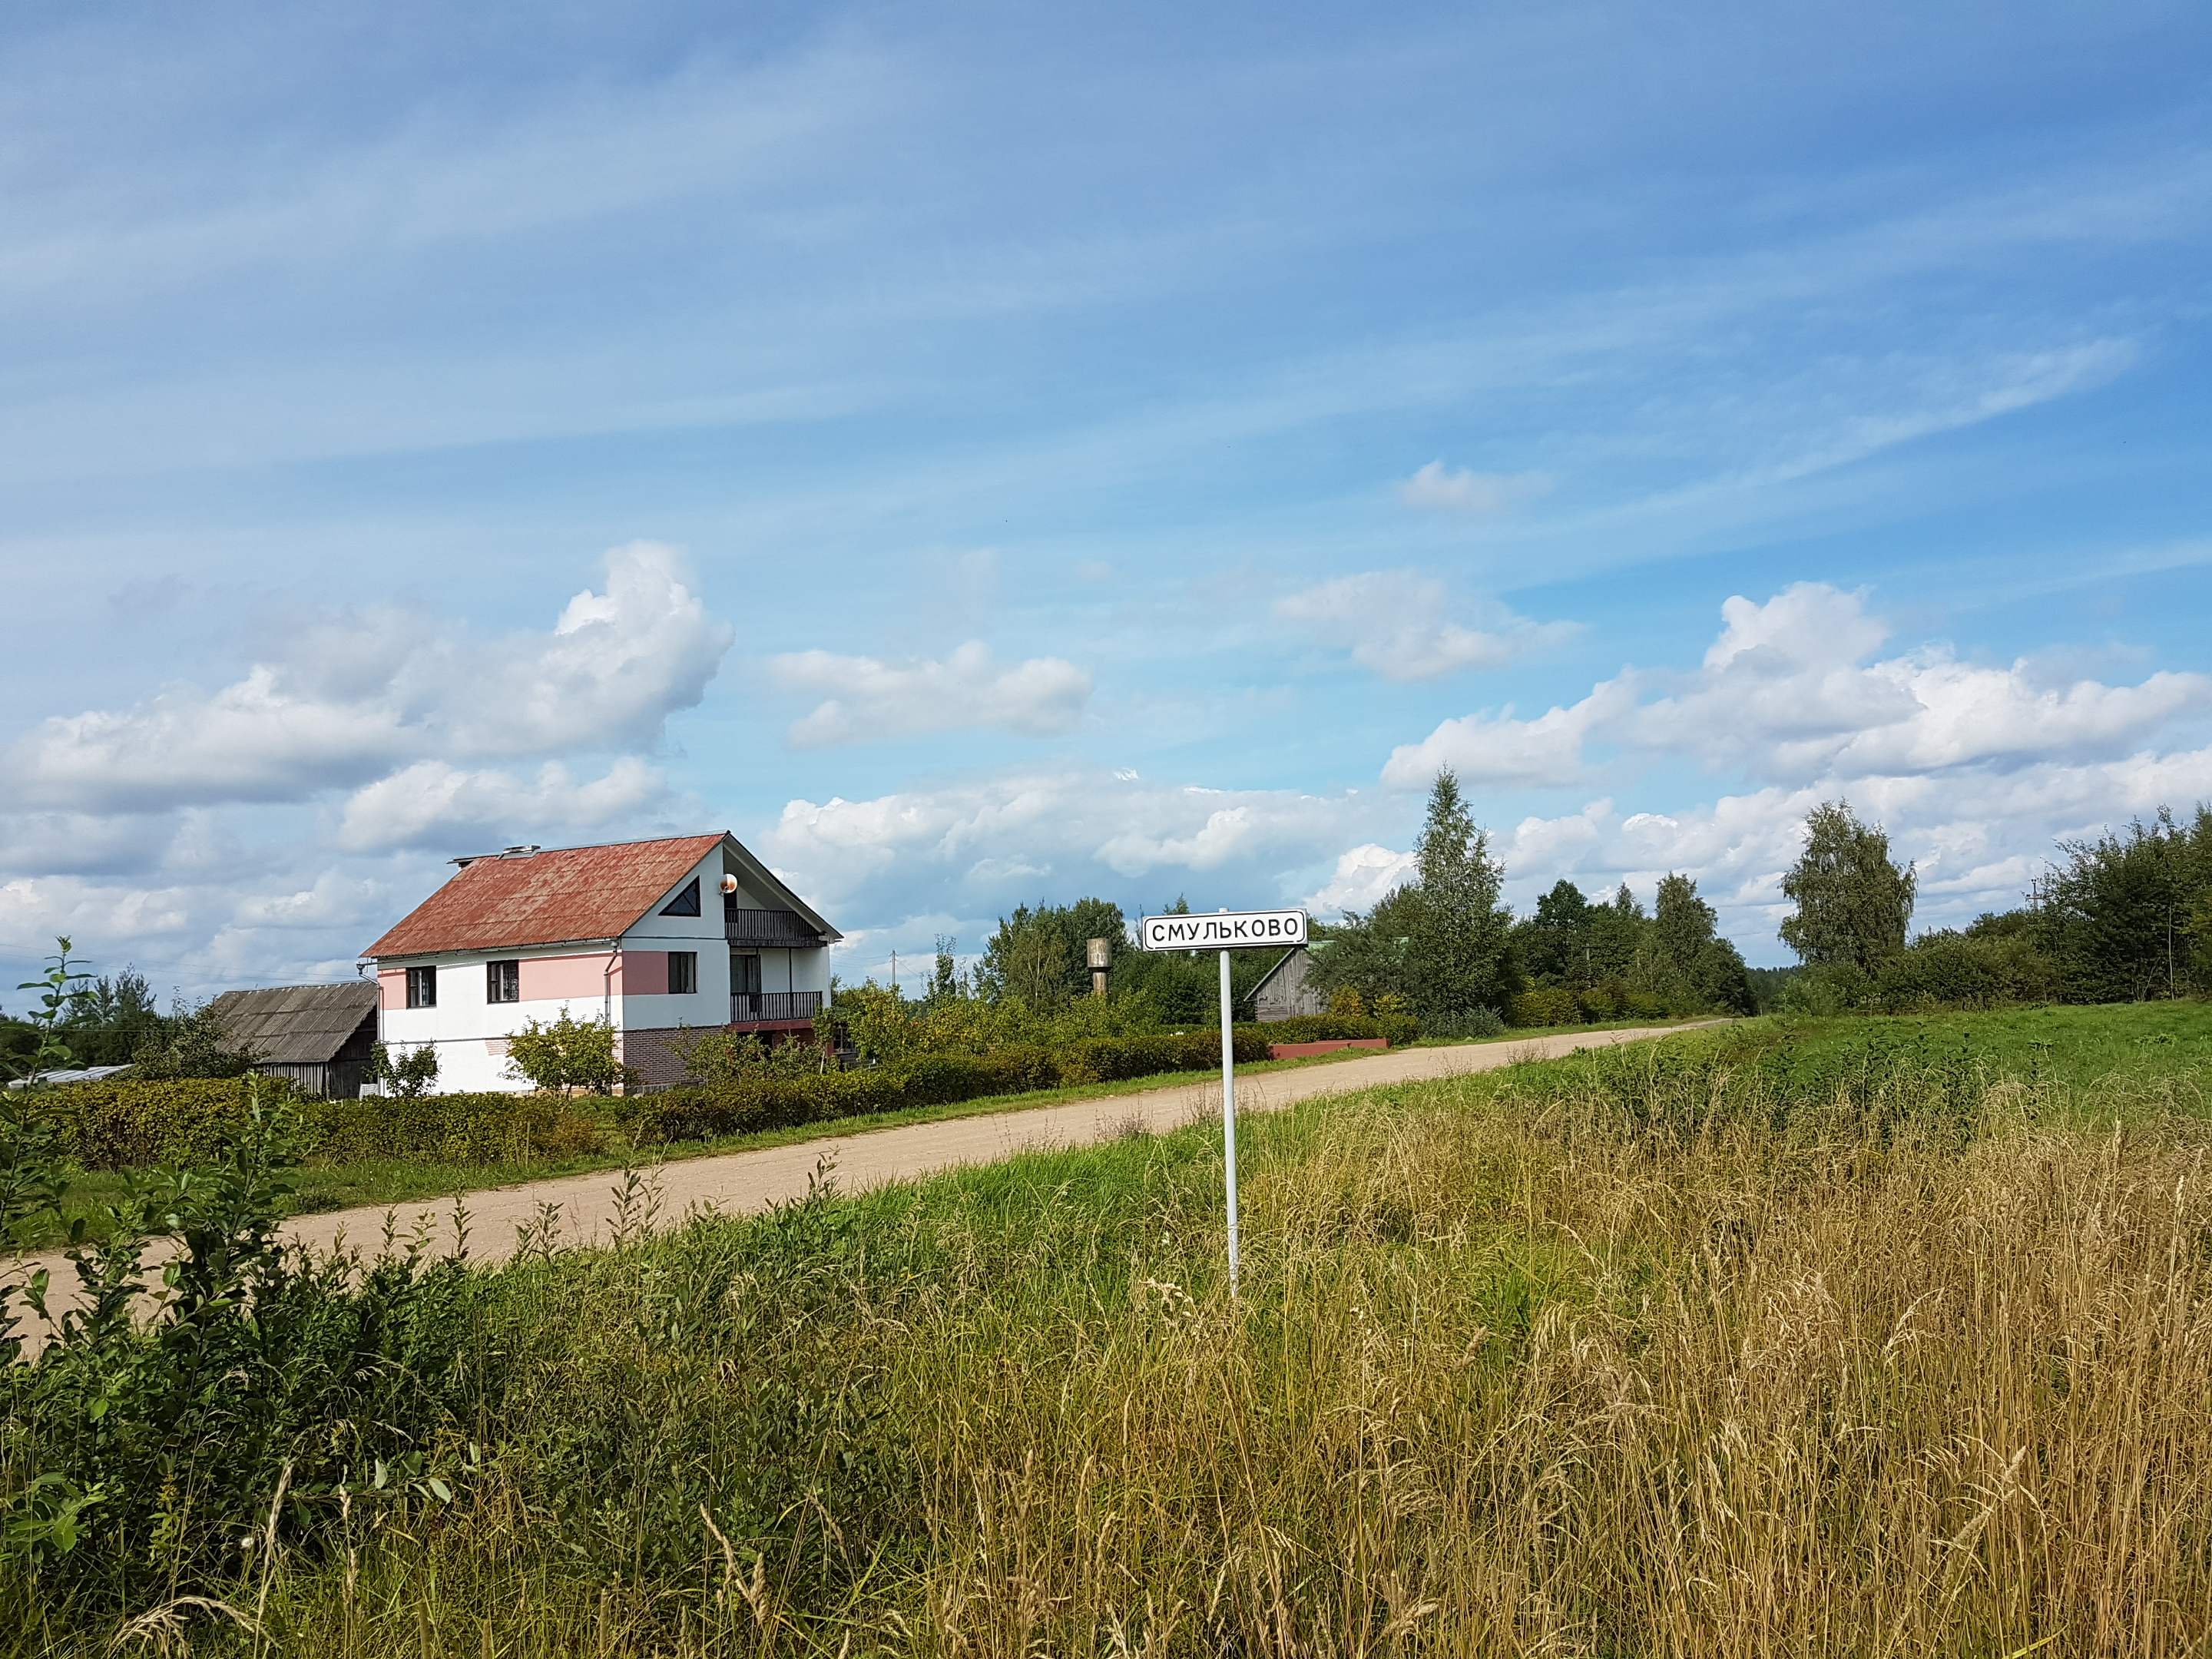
x=519 y=852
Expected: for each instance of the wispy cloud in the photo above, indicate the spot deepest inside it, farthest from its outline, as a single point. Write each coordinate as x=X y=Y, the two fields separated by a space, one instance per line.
x=1397 y=625
x=874 y=698
x=1438 y=487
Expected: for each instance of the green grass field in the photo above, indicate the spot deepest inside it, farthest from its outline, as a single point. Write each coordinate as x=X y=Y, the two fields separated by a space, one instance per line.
x=1848 y=1337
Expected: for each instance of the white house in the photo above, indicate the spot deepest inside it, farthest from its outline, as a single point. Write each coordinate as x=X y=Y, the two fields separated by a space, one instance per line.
x=651 y=936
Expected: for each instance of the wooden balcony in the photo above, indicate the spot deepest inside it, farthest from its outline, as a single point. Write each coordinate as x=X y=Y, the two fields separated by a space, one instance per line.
x=760 y=1007
x=776 y=929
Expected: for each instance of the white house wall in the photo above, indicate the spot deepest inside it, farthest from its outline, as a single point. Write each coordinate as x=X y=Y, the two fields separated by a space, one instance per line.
x=622 y=982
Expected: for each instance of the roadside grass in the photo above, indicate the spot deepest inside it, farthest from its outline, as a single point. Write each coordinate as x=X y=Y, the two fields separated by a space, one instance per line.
x=2120 y=1046
x=1901 y=1343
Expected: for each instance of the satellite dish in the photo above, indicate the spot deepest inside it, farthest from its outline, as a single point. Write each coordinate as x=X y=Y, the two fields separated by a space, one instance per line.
x=729 y=883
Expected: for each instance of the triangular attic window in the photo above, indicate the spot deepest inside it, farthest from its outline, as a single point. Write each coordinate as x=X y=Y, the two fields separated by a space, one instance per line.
x=685 y=904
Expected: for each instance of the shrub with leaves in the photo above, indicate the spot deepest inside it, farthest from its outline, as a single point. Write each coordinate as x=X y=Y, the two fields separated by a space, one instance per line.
x=1553 y=1004
x=567 y=1055
x=407 y=1074
x=270 y=1394
x=719 y=1056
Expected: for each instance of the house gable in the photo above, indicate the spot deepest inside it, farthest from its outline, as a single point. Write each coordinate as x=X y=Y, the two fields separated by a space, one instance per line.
x=567 y=895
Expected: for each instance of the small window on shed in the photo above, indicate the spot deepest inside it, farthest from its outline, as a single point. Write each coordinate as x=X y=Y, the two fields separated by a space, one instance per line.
x=503 y=981
x=423 y=988
x=685 y=904
x=682 y=973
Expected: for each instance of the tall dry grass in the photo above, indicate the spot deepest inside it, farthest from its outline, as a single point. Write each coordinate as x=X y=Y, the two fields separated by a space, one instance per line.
x=1612 y=1362
x=1520 y=1386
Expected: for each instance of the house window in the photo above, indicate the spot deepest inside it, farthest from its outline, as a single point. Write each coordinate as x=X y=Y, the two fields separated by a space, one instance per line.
x=744 y=974
x=503 y=981
x=423 y=988
x=685 y=904
x=682 y=973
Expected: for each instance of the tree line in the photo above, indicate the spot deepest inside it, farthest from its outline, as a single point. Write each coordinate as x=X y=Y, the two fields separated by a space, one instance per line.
x=117 y=1020
x=1442 y=945
x=2124 y=916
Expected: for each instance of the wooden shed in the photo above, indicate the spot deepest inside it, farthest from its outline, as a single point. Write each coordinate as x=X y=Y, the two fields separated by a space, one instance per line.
x=1284 y=993
x=318 y=1035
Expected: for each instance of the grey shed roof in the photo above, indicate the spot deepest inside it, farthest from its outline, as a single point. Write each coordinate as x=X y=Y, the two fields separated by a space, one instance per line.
x=296 y=1024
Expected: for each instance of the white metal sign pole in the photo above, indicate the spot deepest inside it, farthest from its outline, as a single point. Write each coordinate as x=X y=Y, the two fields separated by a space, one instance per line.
x=1229 y=1114
x=1226 y=931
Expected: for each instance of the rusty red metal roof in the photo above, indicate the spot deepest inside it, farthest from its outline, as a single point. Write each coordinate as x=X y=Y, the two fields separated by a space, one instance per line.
x=547 y=898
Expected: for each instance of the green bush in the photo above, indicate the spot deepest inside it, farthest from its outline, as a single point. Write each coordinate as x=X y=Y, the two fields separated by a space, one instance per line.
x=126 y=1122
x=1465 y=1025
x=1398 y=1029
x=459 y=1128
x=121 y=1124
x=1550 y=1004
x=1950 y=969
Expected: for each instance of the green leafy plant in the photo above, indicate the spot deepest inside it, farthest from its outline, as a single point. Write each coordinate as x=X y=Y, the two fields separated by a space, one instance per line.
x=567 y=1055
x=1853 y=904
x=719 y=1056
x=192 y=1043
x=409 y=1073
x=64 y=993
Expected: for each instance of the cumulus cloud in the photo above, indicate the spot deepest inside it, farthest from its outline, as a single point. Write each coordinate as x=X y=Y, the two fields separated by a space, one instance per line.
x=1363 y=876
x=344 y=701
x=1977 y=837
x=1395 y=624
x=1440 y=488
x=432 y=802
x=993 y=841
x=1786 y=693
x=869 y=698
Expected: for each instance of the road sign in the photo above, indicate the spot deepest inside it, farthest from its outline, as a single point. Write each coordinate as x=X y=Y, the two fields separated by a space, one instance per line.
x=1226 y=931
x=1222 y=930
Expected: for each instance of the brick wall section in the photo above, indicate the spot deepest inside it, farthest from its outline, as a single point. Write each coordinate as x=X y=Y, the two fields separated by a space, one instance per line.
x=652 y=1054
x=650 y=1051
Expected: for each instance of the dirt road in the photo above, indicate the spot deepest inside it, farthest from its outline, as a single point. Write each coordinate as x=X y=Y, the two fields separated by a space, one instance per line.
x=740 y=1183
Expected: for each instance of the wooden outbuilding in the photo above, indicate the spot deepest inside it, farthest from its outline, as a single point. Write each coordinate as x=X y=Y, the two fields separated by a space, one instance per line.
x=318 y=1035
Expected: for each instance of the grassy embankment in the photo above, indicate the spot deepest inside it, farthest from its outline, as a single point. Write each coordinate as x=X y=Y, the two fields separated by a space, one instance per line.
x=1875 y=1337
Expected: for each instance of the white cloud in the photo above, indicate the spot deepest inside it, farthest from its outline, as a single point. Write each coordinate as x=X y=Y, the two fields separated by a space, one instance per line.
x=1977 y=837
x=1363 y=875
x=1483 y=494
x=1394 y=622
x=432 y=802
x=999 y=839
x=870 y=698
x=1786 y=693
x=1946 y=397
x=341 y=701
x=1487 y=749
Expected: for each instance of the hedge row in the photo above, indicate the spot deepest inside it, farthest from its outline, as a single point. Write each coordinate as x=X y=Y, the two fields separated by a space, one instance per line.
x=730 y=1109
x=123 y=1122
x=1397 y=1029
x=1558 y=1005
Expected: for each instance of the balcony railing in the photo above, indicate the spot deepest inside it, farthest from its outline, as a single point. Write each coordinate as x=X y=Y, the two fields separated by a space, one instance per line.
x=778 y=928
x=748 y=1008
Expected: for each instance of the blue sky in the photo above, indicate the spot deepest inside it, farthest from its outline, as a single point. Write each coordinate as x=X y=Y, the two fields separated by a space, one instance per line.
x=985 y=453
